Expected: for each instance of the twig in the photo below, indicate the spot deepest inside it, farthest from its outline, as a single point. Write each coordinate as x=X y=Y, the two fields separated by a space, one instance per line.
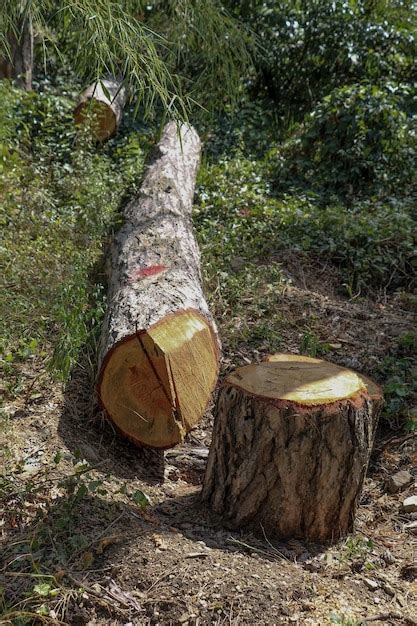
x=99 y=536
x=161 y=578
x=32 y=384
x=273 y=547
x=7 y=617
x=395 y=440
x=45 y=481
x=378 y=543
x=30 y=574
x=97 y=594
x=249 y=547
x=383 y=616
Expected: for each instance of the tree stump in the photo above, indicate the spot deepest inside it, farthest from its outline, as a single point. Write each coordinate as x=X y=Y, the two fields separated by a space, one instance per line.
x=159 y=347
x=291 y=445
x=104 y=101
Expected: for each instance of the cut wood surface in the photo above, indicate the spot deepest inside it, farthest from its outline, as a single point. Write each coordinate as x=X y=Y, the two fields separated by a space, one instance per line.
x=104 y=101
x=291 y=445
x=160 y=351
x=372 y=388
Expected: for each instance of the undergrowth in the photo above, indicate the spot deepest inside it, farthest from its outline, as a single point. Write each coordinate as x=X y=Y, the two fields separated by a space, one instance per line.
x=59 y=194
x=239 y=212
x=248 y=220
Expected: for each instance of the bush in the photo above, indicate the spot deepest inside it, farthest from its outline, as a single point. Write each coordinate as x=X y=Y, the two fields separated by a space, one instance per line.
x=358 y=139
x=309 y=48
x=374 y=243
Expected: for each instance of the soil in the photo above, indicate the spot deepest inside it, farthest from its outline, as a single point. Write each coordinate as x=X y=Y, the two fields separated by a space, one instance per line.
x=172 y=561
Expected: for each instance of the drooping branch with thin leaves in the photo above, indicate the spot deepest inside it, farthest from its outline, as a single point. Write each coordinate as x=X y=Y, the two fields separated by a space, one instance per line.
x=173 y=54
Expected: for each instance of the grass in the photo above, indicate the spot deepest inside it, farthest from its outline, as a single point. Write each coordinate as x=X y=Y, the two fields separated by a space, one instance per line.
x=60 y=196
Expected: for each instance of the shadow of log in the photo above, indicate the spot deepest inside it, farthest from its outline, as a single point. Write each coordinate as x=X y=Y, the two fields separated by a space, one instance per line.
x=196 y=522
x=118 y=562
x=86 y=431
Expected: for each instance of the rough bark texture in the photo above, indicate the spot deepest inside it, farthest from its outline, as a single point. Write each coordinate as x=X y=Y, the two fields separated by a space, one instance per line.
x=286 y=469
x=18 y=64
x=106 y=100
x=157 y=314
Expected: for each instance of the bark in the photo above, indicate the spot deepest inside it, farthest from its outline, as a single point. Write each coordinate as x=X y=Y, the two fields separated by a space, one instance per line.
x=105 y=101
x=285 y=468
x=159 y=350
x=18 y=64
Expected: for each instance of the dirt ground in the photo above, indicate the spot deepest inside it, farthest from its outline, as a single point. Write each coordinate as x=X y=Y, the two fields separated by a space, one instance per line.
x=172 y=561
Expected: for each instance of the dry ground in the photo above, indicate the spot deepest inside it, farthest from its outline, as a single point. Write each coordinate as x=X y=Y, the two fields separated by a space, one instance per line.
x=111 y=560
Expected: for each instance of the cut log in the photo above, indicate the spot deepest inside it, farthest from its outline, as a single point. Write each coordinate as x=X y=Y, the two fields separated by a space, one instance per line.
x=160 y=348
x=17 y=63
x=103 y=102
x=290 y=449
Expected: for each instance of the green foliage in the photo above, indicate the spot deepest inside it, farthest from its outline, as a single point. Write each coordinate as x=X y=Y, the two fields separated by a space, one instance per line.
x=204 y=45
x=171 y=54
x=312 y=345
x=306 y=49
x=140 y=498
x=357 y=546
x=54 y=537
x=398 y=369
x=358 y=139
x=251 y=128
x=59 y=514
x=59 y=201
x=373 y=243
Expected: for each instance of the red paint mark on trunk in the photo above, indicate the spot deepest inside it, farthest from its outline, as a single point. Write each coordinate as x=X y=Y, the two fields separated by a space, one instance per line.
x=145 y=272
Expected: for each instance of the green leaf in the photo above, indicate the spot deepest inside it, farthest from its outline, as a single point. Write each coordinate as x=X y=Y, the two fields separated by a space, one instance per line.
x=42 y=610
x=81 y=491
x=140 y=499
x=93 y=485
x=57 y=457
x=42 y=589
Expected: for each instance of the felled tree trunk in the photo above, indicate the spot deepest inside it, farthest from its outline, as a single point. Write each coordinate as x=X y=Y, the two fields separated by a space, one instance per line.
x=103 y=103
x=291 y=446
x=159 y=345
x=17 y=64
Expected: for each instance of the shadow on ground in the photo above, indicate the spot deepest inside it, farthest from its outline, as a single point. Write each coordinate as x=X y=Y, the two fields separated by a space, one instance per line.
x=86 y=558
x=85 y=431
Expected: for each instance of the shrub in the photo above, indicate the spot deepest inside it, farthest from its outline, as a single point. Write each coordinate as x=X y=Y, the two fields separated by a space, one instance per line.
x=309 y=48
x=358 y=139
x=374 y=243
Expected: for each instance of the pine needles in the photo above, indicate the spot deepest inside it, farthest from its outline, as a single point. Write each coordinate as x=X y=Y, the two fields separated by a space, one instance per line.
x=173 y=55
